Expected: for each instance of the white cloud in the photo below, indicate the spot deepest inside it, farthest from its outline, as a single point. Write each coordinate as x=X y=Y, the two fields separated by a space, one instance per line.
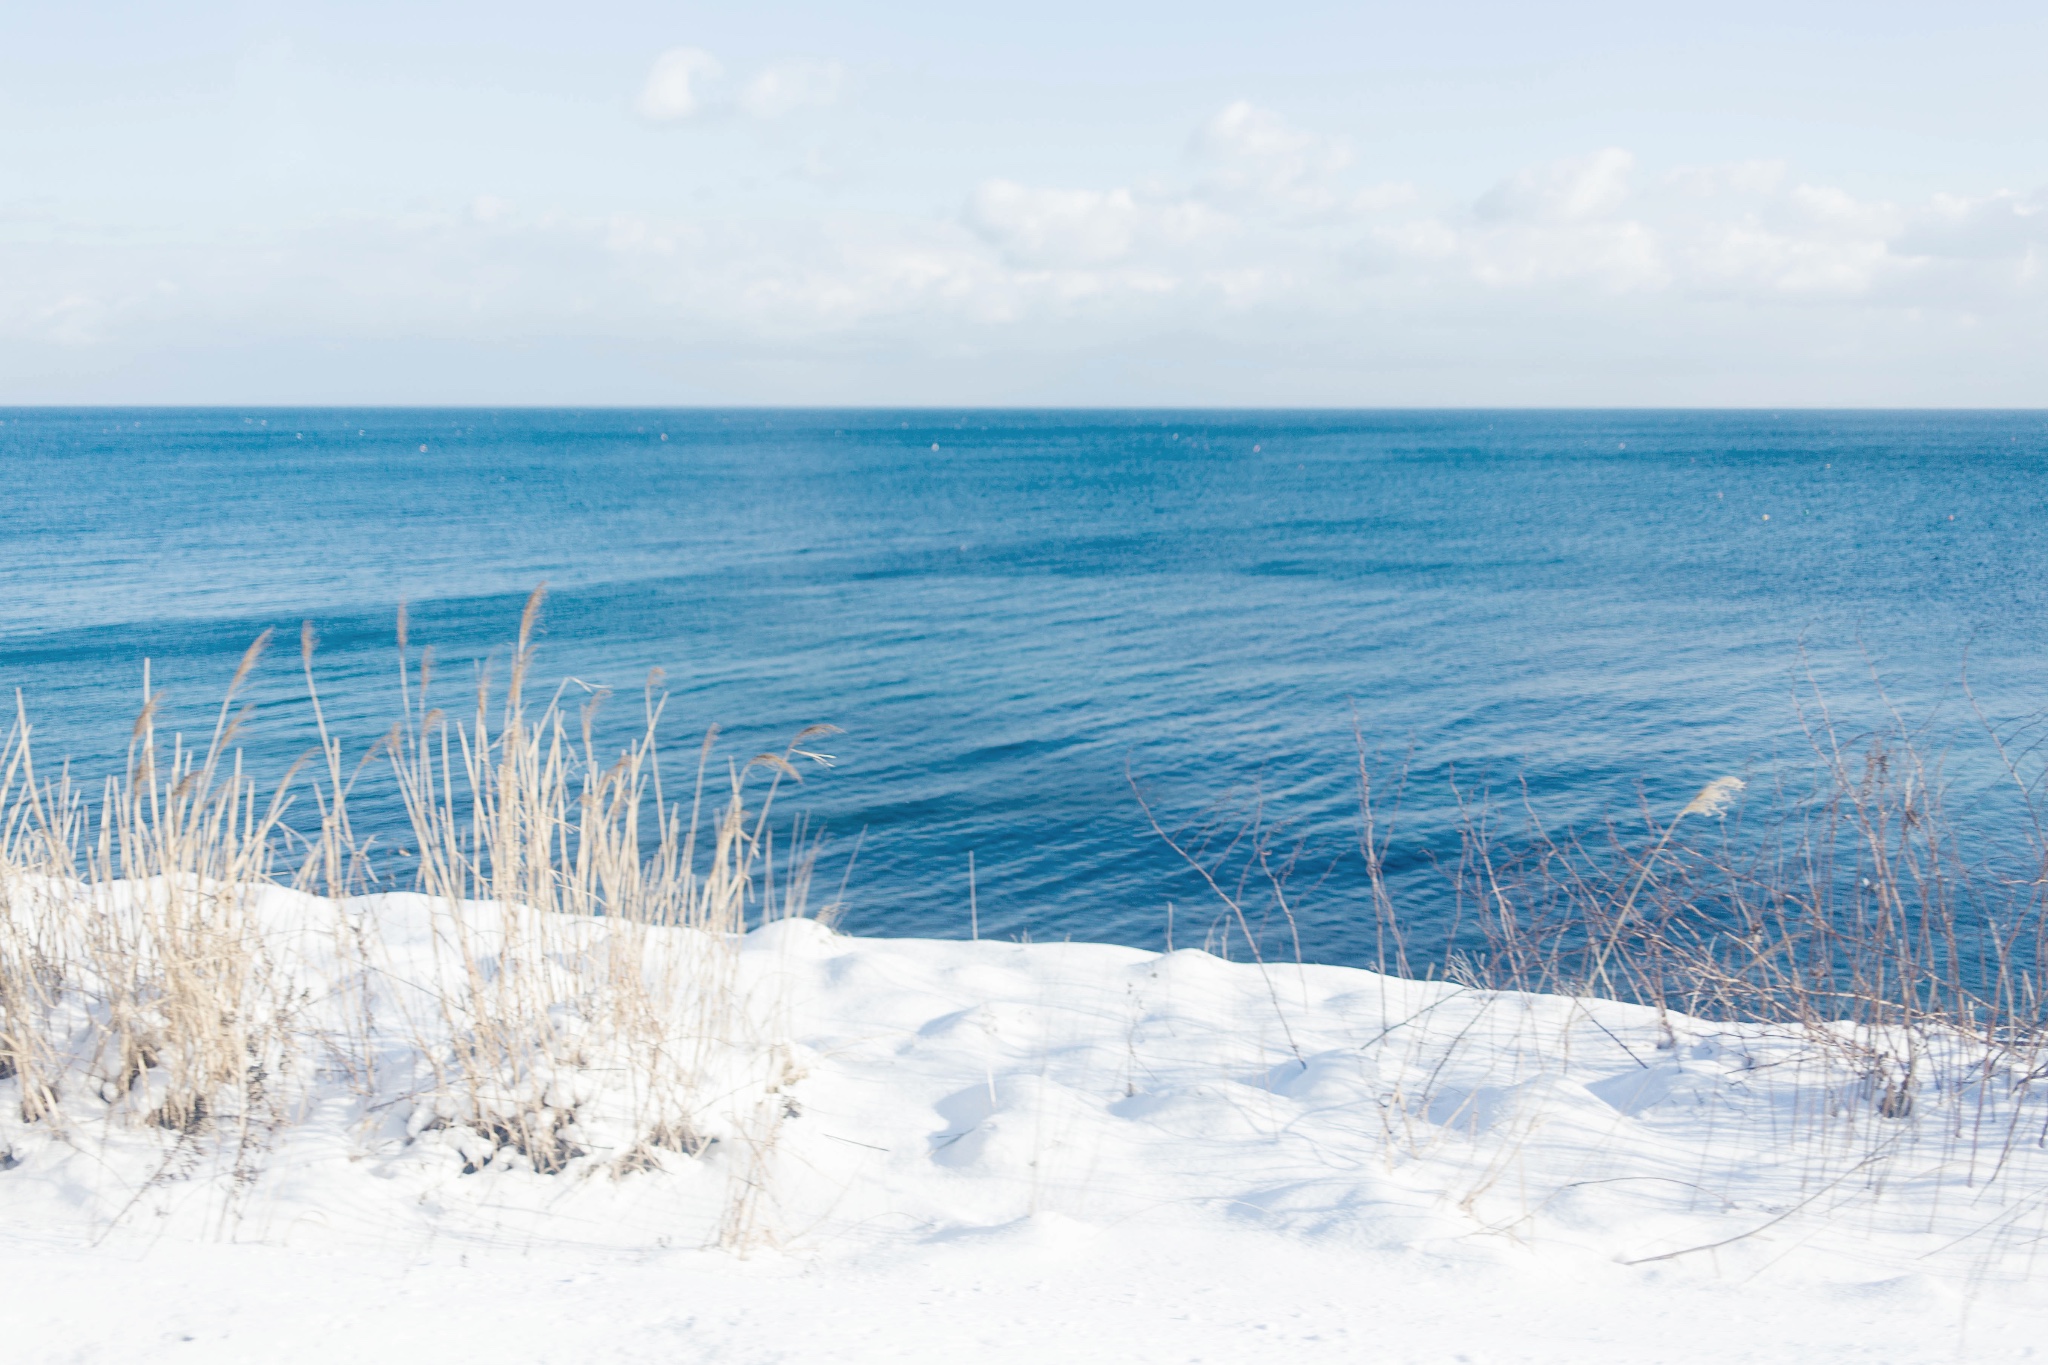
x=1733 y=178
x=1997 y=225
x=790 y=86
x=1379 y=198
x=674 y=88
x=1068 y=229
x=1748 y=259
x=71 y=320
x=1562 y=222
x=1830 y=209
x=1620 y=256
x=1563 y=191
x=1272 y=264
x=685 y=83
x=1052 y=226
x=1255 y=151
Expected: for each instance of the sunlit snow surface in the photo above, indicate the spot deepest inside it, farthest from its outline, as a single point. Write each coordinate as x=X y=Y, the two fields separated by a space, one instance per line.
x=1037 y=1152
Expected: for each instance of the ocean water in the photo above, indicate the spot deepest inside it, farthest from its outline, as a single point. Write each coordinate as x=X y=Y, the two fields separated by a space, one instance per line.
x=1022 y=619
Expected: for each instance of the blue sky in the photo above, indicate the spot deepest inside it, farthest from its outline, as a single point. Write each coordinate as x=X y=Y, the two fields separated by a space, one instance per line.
x=1064 y=203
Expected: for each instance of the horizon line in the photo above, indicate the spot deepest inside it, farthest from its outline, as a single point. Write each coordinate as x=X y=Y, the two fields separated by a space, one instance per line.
x=1774 y=408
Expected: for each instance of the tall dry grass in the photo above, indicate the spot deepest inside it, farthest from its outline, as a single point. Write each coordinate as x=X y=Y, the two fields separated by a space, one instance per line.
x=1841 y=899
x=1850 y=909
x=1883 y=955
x=524 y=813
x=583 y=922
x=131 y=962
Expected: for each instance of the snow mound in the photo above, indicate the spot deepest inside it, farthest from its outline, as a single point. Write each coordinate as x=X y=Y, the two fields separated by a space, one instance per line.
x=913 y=1149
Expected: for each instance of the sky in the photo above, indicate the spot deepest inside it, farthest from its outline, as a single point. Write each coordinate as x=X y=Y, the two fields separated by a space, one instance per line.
x=1188 y=203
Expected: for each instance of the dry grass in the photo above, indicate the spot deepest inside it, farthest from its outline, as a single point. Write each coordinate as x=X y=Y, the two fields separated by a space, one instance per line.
x=131 y=963
x=584 y=1008
x=581 y=859
x=1849 y=910
x=1838 y=930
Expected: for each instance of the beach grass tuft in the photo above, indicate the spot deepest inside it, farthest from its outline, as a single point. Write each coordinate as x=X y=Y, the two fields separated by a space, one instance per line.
x=188 y=951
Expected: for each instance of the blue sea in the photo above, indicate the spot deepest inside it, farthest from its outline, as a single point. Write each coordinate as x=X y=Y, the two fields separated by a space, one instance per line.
x=1022 y=619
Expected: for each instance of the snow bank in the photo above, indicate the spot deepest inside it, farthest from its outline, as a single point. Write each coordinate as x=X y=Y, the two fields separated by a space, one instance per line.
x=921 y=1150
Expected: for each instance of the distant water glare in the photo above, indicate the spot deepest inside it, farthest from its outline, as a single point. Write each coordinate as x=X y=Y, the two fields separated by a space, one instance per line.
x=1008 y=612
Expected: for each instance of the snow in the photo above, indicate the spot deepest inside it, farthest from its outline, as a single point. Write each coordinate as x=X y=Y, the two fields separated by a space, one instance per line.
x=1034 y=1152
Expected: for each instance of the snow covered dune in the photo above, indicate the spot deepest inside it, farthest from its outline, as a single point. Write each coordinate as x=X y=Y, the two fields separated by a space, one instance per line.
x=912 y=1149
